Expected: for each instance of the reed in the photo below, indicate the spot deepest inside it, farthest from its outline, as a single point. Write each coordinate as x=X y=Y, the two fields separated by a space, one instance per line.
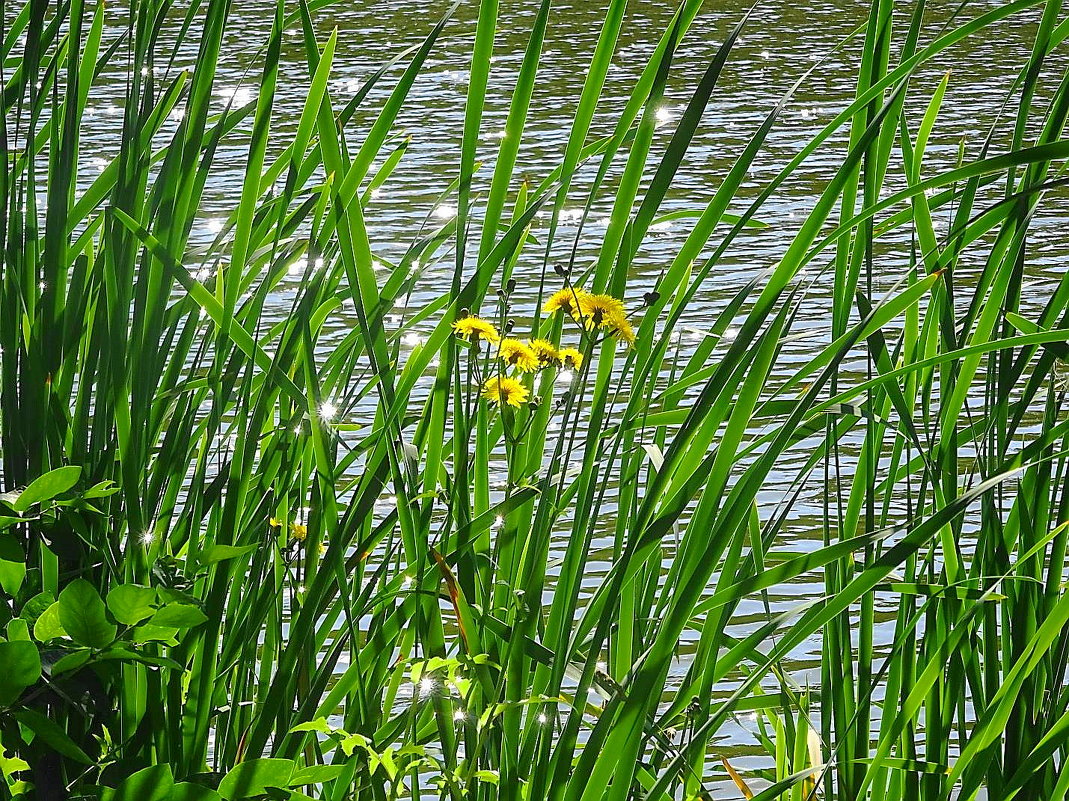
x=206 y=596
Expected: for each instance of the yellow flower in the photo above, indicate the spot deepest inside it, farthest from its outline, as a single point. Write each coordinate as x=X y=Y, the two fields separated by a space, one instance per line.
x=622 y=330
x=518 y=354
x=475 y=328
x=505 y=390
x=567 y=300
x=599 y=310
x=298 y=531
x=570 y=357
x=545 y=351
x=276 y=522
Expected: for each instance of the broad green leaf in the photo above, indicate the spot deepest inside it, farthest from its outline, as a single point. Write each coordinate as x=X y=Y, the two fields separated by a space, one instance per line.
x=82 y=614
x=21 y=668
x=51 y=734
x=252 y=778
x=218 y=553
x=178 y=616
x=120 y=653
x=71 y=661
x=148 y=632
x=12 y=563
x=48 y=486
x=48 y=625
x=154 y=783
x=36 y=606
x=316 y=774
x=131 y=604
x=188 y=791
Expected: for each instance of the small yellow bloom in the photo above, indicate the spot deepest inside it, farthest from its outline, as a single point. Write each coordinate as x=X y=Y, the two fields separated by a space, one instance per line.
x=298 y=531
x=622 y=330
x=570 y=357
x=276 y=522
x=518 y=354
x=598 y=311
x=505 y=390
x=567 y=300
x=545 y=351
x=475 y=328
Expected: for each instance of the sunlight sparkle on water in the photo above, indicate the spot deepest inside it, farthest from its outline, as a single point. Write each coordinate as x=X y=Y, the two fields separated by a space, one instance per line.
x=663 y=115
x=327 y=411
x=301 y=265
x=236 y=96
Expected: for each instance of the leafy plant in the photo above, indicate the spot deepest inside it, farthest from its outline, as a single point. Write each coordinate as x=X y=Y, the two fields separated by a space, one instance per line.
x=241 y=559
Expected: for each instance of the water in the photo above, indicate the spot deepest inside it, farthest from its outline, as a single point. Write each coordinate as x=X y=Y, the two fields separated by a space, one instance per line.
x=782 y=41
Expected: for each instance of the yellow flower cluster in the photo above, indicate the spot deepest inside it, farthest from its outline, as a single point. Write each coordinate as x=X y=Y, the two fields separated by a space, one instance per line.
x=505 y=390
x=593 y=312
x=298 y=531
x=475 y=328
x=526 y=357
x=519 y=355
x=537 y=354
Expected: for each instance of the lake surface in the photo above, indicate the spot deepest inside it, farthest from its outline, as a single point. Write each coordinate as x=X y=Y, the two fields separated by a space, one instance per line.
x=781 y=42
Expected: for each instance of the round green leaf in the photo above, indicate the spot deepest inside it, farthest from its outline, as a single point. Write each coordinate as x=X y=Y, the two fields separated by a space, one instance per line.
x=188 y=791
x=72 y=661
x=21 y=668
x=48 y=626
x=179 y=616
x=131 y=603
x=81 y=611
x=150 y=633
x=149 y=784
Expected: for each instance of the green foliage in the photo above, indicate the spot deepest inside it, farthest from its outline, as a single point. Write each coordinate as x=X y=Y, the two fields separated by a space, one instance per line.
x=205 y=595
x=82 y=615
x=22 y=669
